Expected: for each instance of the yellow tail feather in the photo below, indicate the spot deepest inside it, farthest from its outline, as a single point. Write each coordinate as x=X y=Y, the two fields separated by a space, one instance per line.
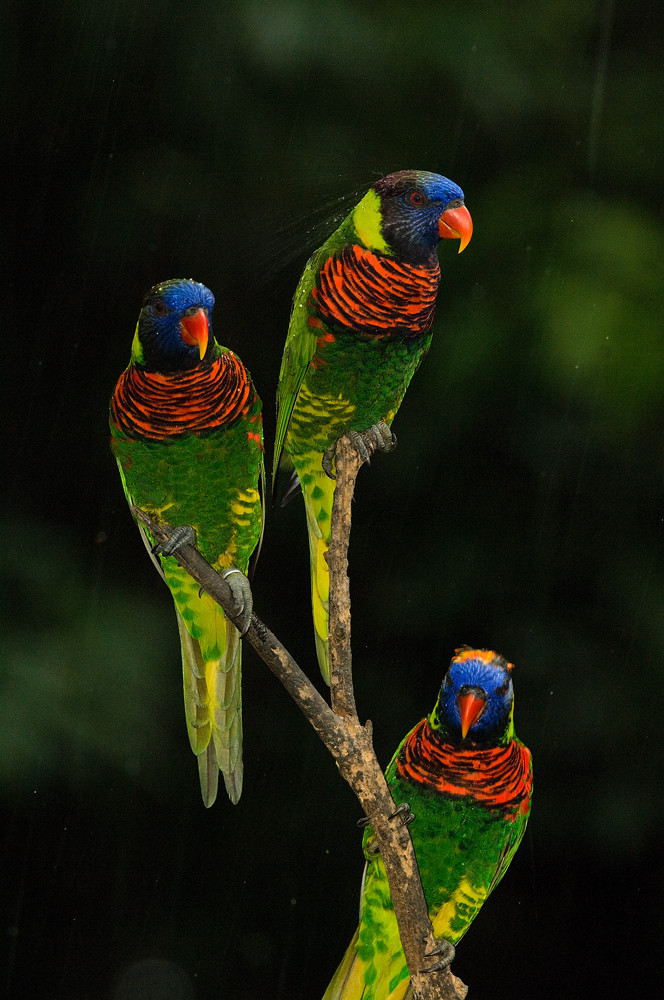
x=213 y=700
x=348 y=981
x=318 y=497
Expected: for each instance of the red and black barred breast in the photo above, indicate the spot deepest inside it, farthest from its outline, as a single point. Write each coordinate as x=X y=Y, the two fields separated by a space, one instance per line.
x=154 y=407
x=367 y=291
x=496 y=777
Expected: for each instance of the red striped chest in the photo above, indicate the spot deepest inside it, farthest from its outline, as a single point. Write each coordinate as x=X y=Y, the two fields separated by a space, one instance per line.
x=363 y=290
x=498 y=777
x=156 y=406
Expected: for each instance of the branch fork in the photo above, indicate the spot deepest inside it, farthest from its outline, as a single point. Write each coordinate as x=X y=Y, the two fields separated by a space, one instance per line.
x=338 y=726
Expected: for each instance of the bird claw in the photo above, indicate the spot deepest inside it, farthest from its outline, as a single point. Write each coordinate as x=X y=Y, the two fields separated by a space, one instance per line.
x=404 y=811
x=184 y=534
x=378 y=437
x=401 y=810
x=244 y=601
x=446 y=950
x=328 y=461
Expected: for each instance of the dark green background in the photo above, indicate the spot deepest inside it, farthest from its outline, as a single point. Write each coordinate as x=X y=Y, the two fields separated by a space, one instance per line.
x=522 y=509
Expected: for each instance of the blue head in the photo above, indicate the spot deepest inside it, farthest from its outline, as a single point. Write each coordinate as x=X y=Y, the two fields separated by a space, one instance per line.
x=476 y=700
x=174 y=331
x=415 y=210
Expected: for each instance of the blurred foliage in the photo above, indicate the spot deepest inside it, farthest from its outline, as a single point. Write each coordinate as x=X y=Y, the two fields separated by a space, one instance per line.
x=522 y=509
x=84 y=668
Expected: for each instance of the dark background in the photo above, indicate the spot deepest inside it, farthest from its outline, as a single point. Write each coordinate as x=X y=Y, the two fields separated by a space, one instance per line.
x=522 y=509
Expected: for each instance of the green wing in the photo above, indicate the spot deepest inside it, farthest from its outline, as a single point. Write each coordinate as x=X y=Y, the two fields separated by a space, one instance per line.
x=301 y=339
x=298 y=352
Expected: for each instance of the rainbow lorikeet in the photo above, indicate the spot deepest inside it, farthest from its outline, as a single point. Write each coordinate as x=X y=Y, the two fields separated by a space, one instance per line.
x=186 y=430
x=360 y=324
x=467 y=780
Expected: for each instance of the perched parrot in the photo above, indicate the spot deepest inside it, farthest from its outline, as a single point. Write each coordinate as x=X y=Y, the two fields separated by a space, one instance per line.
x=186 y=430
x=467 y=781
x=360 y=324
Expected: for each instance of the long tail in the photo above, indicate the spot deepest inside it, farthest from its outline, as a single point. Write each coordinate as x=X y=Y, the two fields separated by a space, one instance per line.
x=356 y=980
x=213 y=702
x=373 y=967
x=318 y=493
x=348 y=981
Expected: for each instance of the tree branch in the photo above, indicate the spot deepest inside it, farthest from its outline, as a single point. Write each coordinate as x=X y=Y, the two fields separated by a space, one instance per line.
x=342 y=696
x=368 y=783
x=339 y=728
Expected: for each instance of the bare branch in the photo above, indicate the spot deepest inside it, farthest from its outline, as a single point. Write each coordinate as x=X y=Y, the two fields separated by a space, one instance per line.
x=342 y=696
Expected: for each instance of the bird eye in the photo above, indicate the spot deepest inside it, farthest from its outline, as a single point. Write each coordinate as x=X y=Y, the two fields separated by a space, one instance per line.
x=416 y=198
x=159 y=307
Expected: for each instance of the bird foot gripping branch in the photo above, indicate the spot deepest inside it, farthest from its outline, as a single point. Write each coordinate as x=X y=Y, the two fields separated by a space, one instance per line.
x=181 y=535
x=403 y=810
x=244 y=601
x=378 y=437
x=446 y=950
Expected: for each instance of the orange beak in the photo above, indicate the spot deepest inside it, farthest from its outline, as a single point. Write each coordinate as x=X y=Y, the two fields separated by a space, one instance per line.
x=195 y=330
x=471 y=707
x=456 y=224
